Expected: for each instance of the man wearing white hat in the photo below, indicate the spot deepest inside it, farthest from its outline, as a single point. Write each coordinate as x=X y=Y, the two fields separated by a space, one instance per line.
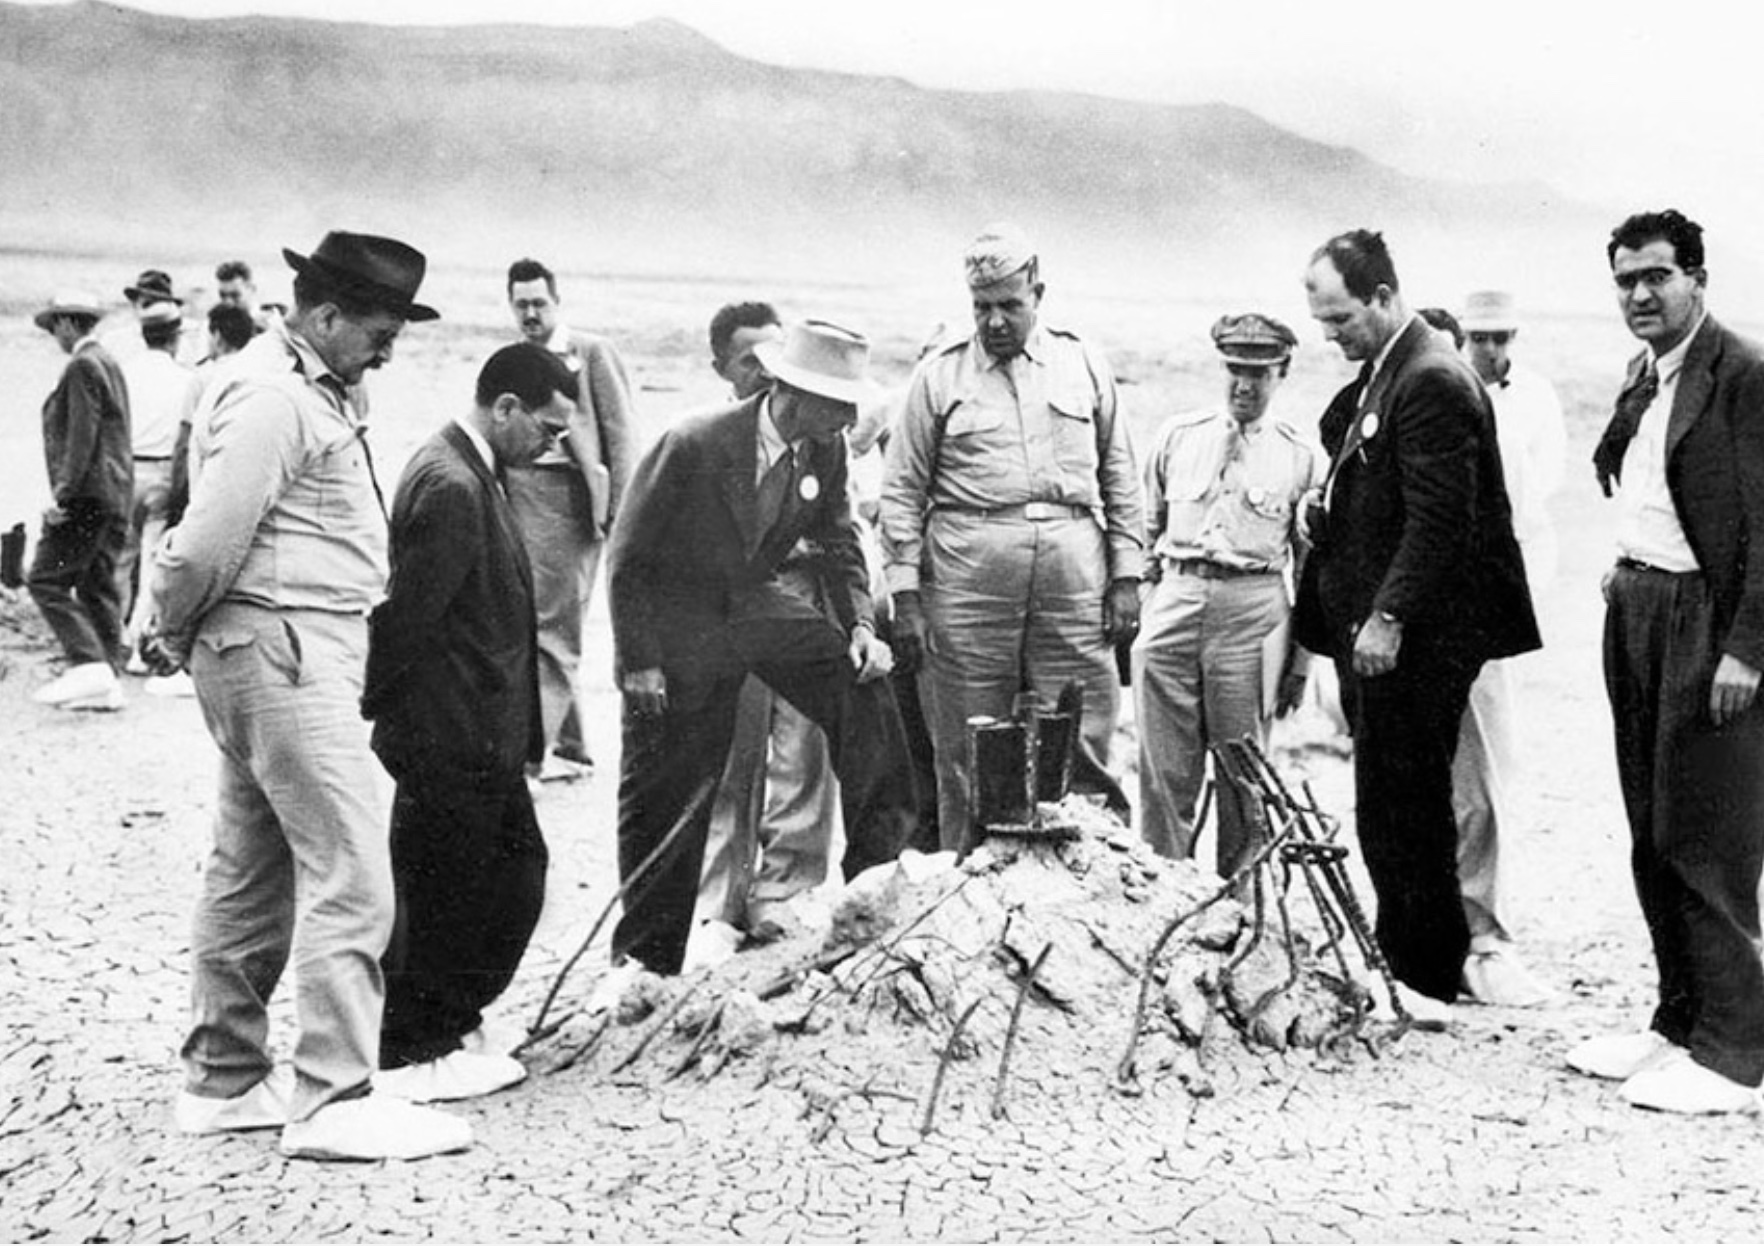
x=1013 y=521
x=712 y=512
x=158 y=386
x=1533 y=442
x=91 y=483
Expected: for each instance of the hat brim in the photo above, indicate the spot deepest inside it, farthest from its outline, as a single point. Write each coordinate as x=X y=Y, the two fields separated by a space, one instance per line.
x=1489 y=326
x=45 y=318
x=838 y=388
x=1255 y=361
x=383 y=297
x=143 y=295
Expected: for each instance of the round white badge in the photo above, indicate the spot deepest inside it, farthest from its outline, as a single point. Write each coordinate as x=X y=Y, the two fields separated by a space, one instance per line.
x=1257 y=497
x=1369 y=426
x=809 y=488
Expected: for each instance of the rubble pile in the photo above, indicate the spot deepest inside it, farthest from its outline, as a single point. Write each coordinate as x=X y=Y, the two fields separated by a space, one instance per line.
x=1026 y=965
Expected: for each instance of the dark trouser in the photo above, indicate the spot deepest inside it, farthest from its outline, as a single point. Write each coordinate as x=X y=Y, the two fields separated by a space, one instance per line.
x=672 y=762
x=1405 y=728
x=1695 y=798
x=469 y=865
x=73 y=581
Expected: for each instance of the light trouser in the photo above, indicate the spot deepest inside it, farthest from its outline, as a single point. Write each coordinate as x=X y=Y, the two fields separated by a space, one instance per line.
x=551 y=505
x=152 y=506
x=771 y=829
x=1482 y=782
x=1198 y=676
x=300 y=865
x=1013 y=603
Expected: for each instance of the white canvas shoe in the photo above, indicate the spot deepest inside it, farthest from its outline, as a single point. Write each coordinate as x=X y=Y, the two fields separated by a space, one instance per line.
x=1678 y=1083
x=264 y=1106
x=88 y=686
x=375 y=1127
x=1619 y=1057
x=1498 y=976
x=457 y=1075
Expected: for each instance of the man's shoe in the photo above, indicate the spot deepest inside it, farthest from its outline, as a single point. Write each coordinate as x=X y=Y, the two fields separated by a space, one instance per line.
x=178 y=684
x=611 y=989
x=711 y=943
x=264 y=1106
x=1677 y=1083
x=375 y=1127
x=457 y=1075
x=494 y=1038
x=1426 y=1012
x=1498 y=976
x=1619 y=1057
x=88 y=686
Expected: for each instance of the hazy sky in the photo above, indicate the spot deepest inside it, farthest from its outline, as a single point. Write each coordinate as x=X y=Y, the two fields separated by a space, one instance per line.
x=1600 y=99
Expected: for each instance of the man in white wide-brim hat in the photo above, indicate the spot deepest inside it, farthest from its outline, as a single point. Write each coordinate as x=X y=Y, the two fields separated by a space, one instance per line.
x=712 y=513
x=1534 y=444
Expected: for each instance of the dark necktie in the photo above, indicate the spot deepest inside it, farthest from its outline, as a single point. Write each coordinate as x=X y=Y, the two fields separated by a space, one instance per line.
x=1632 y=404
x=774 y=490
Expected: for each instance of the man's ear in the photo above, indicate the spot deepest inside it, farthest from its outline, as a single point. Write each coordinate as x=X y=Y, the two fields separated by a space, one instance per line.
x=1700 y=276
x=504 y=408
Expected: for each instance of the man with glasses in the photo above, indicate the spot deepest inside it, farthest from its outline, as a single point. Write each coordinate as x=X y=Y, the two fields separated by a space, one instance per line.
x=1684 y=647
x=1528 y=422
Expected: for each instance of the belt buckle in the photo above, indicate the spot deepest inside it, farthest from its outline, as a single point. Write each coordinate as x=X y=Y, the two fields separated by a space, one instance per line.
x=1037 y=511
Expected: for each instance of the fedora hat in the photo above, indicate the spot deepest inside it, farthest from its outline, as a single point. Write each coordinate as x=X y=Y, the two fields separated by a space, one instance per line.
x=68 y=303
x=822 y=359
x=152 y=286
x=1489 y=311
x=382 y=272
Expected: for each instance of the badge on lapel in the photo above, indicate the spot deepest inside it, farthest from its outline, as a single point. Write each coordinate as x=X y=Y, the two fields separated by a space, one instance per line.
x=808 y=488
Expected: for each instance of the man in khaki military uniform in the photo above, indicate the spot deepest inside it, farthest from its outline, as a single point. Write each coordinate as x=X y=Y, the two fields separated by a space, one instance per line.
x=1012 y=520
x=1214 y=656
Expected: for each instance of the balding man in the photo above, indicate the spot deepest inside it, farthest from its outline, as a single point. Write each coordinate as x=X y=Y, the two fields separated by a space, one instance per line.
x=1013 y=522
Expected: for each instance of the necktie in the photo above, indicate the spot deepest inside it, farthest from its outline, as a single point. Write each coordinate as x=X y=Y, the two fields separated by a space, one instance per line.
x=774 y=489
x=1632 y=404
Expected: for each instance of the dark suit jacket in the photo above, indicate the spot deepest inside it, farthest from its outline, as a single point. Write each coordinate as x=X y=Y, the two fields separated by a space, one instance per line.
x=86 y=443
x=1419 y=524
x=1715 y=472
x=452 y=672
x=683 y=573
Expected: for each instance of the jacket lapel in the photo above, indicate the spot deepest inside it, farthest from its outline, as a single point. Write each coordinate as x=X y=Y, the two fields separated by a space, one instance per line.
x=499 y=507
x=739 y=448
x=1696 y=383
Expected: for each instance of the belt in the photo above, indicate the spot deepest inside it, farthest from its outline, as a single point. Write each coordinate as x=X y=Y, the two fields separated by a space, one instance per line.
x=153 y=458
x=1636 y=564
x=1207 y=569
x=1033 y=511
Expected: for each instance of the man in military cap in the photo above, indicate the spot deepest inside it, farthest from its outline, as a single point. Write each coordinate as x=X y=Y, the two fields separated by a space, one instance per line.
x=1214 y=656
x=263 y=590
x=1012 y=519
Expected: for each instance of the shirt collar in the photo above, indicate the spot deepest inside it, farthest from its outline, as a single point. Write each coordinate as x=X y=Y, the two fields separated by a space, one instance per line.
x=307 y=361
x=478 y=443
x=1672 y=362
x=1378 y=361
x=1034 y=348
x=91 y=339
x=771 y=441
x=559 y=341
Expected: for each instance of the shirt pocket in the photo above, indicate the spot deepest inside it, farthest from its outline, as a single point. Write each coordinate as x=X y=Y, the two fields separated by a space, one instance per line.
x=978 y=436
x=1074 y=435
x=1185 y=505
x=1262 y=520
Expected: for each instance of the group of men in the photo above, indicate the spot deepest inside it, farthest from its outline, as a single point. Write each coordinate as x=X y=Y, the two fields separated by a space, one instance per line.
x=1018 y=538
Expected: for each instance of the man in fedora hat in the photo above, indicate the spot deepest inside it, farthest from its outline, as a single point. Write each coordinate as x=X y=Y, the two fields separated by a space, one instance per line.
x=1528 y=423
x=1214 y=657
x=91 y=483
x=713 y=511
x=566 y=500
x=263 y=592
x=152 y=288
x=1013 y=523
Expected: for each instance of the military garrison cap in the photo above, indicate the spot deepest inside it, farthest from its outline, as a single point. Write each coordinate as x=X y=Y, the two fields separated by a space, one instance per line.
x=1253 y=339
x=1001 y=250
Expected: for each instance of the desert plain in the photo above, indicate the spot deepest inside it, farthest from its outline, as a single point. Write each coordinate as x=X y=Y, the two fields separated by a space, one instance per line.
x=1476 y=1134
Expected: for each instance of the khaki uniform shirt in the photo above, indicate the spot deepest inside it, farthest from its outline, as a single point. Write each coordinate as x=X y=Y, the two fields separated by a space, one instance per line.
x=980 y=434
x=1228 y=496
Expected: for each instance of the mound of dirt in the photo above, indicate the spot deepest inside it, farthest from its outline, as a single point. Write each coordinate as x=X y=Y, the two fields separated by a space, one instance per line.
x=1027 y=964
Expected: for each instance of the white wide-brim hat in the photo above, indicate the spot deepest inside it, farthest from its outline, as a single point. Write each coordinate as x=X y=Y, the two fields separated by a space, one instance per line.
x=821 y=358
x=1489 y=311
